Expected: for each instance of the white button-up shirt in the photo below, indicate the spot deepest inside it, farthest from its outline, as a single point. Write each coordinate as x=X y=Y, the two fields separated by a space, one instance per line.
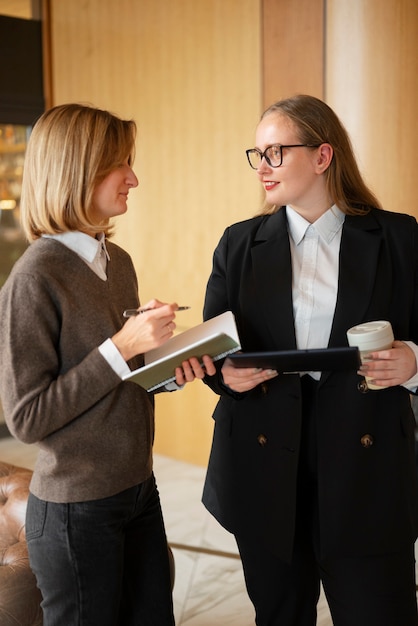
x=94 y=253
x=315 y=250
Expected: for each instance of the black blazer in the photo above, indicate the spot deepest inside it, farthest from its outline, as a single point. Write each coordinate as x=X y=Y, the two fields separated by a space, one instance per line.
x=368 y=496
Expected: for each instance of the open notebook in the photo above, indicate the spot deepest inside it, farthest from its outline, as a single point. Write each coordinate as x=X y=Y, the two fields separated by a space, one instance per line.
x=216 y=337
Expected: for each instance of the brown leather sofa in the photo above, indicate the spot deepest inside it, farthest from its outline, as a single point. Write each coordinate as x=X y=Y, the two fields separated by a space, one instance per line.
x=19 y=596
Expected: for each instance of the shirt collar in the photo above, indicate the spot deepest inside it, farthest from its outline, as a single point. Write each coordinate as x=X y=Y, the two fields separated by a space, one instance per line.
x=84 y=245
x=327 y=226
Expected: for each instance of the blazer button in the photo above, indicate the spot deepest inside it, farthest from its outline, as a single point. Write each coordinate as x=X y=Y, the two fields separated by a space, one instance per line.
x=367 y=441
x=363 y=387
x=262 y=440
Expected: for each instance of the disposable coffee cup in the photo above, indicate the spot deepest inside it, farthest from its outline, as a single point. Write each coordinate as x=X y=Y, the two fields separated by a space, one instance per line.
x=371 y=337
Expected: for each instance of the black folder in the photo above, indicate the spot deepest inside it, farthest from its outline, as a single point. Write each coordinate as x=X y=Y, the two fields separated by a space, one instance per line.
x=291 y=361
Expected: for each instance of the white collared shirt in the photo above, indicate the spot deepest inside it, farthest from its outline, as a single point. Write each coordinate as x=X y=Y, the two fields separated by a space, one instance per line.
x=315 y=250
x=94 y=253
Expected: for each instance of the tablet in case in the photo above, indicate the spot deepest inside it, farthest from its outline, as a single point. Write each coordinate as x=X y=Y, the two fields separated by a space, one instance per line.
x=292 y=361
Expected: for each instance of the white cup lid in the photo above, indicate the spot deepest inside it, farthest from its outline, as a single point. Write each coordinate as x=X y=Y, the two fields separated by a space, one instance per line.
x=370 y=335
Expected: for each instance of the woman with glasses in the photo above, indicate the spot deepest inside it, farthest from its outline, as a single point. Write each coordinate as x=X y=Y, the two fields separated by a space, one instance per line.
x=94 y=526
x=313 y=472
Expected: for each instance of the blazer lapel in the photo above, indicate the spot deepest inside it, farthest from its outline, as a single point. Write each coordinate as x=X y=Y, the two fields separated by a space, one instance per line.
x=359 y=253
x=273 y=276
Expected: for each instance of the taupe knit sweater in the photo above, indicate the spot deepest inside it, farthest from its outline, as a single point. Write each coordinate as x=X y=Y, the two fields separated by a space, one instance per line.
x=95 y=432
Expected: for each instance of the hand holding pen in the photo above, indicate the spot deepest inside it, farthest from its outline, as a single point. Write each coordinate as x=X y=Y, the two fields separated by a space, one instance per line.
x=142 y=333
x=134 y=312
x=160 y=325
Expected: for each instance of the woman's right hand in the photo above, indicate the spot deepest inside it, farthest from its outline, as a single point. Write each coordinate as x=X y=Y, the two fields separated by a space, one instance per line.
x=147 y=330
x=242 y=379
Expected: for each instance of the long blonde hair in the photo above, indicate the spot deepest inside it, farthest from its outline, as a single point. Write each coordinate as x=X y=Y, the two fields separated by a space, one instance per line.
x=72 y=148
x=317 y=123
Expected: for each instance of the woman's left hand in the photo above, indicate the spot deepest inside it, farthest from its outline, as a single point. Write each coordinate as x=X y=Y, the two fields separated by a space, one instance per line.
x=192 y=369
x=391 y=367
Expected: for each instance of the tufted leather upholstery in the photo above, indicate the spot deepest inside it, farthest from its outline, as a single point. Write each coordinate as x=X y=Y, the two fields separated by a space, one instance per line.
x=19 y=597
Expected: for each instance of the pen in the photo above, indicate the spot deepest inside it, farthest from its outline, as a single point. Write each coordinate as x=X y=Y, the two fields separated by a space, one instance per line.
x=133 y=312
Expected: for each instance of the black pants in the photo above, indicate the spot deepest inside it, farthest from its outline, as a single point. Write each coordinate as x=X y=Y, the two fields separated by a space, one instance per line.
x=102 y=562
x=366 y=591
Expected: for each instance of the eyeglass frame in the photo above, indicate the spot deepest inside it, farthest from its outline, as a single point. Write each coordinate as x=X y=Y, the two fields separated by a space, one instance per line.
x=263 y=155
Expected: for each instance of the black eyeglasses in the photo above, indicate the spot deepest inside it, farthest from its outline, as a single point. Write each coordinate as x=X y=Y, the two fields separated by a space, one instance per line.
x=272 y=154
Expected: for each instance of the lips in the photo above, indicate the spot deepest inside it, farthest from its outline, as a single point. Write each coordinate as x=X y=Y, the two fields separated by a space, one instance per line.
x=269 y=184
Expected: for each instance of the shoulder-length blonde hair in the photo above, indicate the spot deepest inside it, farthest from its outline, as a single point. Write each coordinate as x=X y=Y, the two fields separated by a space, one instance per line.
x=72 y=148
x=317 y=123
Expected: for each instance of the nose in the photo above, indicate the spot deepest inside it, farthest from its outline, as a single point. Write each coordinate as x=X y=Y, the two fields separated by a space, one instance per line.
x=131 y=178
x=263 y=165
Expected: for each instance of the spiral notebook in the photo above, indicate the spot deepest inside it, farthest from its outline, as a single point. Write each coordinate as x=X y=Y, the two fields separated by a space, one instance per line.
x=217 y=337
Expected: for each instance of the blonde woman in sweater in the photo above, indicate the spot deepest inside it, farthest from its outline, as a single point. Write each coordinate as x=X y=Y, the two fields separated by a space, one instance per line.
x=95 y=531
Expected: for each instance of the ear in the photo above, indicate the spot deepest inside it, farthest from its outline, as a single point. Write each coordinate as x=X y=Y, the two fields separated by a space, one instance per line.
x=324 y=157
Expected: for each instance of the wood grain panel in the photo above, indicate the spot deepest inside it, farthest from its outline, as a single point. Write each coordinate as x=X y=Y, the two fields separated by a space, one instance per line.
x=372 y=83
x=17 y=8
x=195 y=76
x=293 y=48
x=189 y=73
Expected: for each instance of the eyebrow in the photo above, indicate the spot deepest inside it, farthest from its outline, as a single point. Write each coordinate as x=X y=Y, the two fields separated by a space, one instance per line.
x=281 y=145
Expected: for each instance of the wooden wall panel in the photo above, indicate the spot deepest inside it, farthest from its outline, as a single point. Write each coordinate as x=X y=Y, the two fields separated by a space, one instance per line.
x=293 y=49
x=372 y=83
x=17 y=8
x=189 y=73
x=196 y=75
